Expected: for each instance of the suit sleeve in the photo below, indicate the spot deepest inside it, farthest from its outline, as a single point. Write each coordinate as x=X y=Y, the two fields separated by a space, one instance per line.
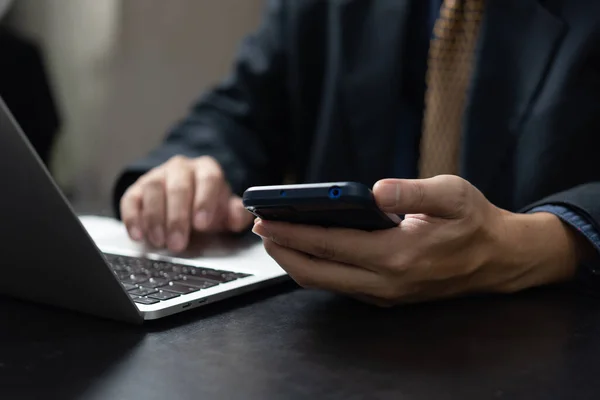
x=580 y=208
x=241 y=122
x=583 y=199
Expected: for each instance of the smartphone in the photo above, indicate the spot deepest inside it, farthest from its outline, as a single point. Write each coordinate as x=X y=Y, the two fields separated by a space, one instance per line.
x=334 y=204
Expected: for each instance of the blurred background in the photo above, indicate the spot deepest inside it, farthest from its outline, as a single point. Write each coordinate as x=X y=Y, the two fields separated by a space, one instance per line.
x=120 y=73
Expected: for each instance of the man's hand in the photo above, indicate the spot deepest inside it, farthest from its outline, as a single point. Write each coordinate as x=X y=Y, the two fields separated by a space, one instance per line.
x=452 y=241
x=182 y=195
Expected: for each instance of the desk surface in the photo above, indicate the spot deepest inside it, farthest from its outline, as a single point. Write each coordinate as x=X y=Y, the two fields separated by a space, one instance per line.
x=296 y=344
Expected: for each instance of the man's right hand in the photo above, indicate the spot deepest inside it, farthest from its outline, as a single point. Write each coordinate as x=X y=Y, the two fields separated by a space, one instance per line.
x=166 y=204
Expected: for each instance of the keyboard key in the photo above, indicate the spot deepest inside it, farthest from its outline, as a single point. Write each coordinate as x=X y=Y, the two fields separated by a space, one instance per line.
x=139 y=263
x=122 y=274
x=144 y=300
x=142 y=292
x=117 y=267
x=162 y=295
x=155 y=282
x=179 y=269
x=129 y=286
x=136 y=269
x=134 y=272
x=199 y=271
x=232 y=276
x=197 y=281
x=172 y=276
x=155 y=273
x=113 y=259
x=179 y=288
x=161 y=266
x=134 y=279
x=216 y=275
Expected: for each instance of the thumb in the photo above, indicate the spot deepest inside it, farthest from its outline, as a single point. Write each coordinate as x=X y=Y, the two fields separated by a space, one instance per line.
x=443 y=196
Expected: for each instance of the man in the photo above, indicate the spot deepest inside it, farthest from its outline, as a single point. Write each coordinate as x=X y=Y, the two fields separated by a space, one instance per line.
x=489 y=112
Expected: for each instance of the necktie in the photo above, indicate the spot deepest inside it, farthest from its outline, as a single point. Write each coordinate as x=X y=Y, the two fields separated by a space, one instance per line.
x=449 y=67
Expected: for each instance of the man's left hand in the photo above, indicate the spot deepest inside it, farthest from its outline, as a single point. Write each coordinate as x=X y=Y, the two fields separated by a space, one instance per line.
x=452 y=241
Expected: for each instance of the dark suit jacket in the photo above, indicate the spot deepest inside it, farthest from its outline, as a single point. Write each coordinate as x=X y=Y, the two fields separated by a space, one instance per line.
x=315 y=93
x=27 y=91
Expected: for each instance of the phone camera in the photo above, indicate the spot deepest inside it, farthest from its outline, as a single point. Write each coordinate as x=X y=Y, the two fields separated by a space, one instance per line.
x=283 y=193
x=335 y=192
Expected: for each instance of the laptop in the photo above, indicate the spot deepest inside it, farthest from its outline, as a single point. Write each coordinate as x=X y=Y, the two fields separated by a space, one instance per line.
x=88 y=264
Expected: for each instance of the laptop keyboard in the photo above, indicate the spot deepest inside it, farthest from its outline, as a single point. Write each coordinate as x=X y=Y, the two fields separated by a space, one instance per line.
x=151 y=281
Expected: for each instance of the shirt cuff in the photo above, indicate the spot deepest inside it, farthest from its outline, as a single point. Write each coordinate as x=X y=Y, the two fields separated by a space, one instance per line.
x=591 y=270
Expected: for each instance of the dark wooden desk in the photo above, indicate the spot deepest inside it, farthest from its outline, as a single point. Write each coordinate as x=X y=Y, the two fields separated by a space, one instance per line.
x=284 y=343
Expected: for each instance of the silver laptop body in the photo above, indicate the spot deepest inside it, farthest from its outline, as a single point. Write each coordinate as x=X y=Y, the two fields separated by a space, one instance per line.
x=50 y=256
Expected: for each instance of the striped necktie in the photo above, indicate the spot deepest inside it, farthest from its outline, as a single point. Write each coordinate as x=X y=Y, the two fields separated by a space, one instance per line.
x=451 y=56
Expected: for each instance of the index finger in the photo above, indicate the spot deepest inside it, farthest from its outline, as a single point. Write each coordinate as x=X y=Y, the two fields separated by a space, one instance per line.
x=349 y=246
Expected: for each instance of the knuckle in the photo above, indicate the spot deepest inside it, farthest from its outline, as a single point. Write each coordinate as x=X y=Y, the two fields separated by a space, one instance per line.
x=152 y=209
x=154 y=185
x=460 y=199
x=132 y=192
x=325 y=250
x=419 y=194
x=180 y=189
x=396 y=263
x=209 y=168
x=390 y=263
x=207 y=161
x=460 y=203
x=152 y=180
x=178 y=160
x=213 y=176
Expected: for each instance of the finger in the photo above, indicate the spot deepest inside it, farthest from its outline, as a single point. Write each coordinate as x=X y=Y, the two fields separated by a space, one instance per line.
x=239 y=218
x=179 y=193
x=131 y=212
x=153 y=210
x=443 y=196
x=220 y=218
x=311 y=272
x=210 y=190
x=349 y=246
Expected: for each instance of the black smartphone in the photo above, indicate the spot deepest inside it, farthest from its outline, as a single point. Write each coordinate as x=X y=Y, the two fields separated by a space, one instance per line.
x=334 y=204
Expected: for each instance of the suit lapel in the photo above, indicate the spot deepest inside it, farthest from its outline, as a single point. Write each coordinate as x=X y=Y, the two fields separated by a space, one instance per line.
x=372 y=34
x=517 y=45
